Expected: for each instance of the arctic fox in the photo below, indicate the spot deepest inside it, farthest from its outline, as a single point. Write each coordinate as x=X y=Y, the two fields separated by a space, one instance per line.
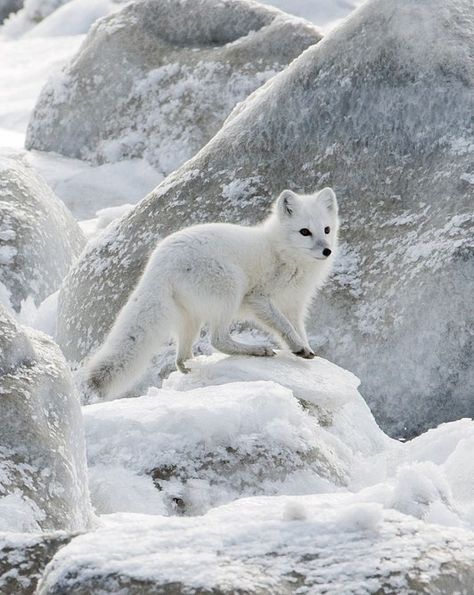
x=217 y=273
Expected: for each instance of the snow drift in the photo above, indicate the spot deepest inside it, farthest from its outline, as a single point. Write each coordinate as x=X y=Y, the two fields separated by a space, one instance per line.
x=159 y=78
x=335 y=504
x=380 y=110
x=39 y=239
x=43 y=481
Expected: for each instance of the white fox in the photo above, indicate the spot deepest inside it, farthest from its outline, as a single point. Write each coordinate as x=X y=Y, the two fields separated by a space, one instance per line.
x=217 y=273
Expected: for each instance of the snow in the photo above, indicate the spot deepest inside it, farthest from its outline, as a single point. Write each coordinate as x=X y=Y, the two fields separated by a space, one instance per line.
x=231 y=430
x=74 y=18
x=342 y=546
x=50 y=18
x=25 y=65
x=326 y=14
x=87 y=189
x=219 y=420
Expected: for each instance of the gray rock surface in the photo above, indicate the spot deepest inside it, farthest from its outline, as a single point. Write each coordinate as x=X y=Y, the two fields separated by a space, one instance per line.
x=381 y=110
x=269 y=545
x=39 y=239
x=43 y=481
x=159 y=78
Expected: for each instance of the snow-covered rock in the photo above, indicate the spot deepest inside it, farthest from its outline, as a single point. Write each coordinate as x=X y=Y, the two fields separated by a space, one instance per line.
x=158 y=78
x=39 y=239
x=234 y=426
x=281 y=545
x=8 y=7
x=43 y=480
x=23 y=557
x=381 y=111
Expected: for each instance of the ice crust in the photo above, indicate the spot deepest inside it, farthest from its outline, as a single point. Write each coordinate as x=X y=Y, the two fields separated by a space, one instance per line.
x=39 y=239
x=381 y=111
x=159 y=78
x=43 y=481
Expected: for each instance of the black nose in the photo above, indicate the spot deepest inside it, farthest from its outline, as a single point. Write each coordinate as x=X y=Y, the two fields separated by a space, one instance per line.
x=326 y=252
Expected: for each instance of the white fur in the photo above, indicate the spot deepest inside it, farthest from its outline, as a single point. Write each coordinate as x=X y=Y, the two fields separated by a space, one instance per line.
x=218 y=273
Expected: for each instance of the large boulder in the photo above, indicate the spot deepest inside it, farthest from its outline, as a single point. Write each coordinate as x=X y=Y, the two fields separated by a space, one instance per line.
x=381 y=111
x=43 y=480
x=306 y=544
x=159 y=78
x=39 y=239
x=235 y=426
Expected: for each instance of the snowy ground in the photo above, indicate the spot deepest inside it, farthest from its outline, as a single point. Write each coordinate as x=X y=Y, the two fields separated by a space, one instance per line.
x=346 y=479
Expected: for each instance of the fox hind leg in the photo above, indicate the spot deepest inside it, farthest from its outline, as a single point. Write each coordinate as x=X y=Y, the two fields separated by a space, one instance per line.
x=187 y=333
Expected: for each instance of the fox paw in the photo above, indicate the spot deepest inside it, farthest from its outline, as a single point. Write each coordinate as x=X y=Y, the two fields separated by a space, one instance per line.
x=182 y=368
x=305 y=353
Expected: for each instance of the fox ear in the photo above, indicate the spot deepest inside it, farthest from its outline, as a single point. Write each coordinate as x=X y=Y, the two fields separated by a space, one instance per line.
x=287 y=203
x=328 y=198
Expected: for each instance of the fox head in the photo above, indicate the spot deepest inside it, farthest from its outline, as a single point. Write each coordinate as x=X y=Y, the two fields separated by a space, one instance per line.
x=310 y=222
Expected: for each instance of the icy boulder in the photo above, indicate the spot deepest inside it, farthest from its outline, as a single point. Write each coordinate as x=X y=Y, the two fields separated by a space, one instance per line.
x=43 y=482
x=159 y=78
x=380 y=110
x=39 y=239
x=235 y=426
x=306 y=544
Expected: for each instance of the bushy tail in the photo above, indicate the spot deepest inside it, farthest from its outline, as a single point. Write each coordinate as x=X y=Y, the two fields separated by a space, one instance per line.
x=141 y=327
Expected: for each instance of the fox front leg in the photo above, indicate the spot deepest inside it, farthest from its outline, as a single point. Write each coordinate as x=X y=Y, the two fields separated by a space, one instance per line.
x=272 y=317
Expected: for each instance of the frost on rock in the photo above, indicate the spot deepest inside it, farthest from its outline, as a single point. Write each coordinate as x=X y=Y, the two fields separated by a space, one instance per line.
x=43 y=482
x=23 y=558
x=381 y=110
x=39 y=239
x=159 y=78
x=306 y=544
x=231 y=428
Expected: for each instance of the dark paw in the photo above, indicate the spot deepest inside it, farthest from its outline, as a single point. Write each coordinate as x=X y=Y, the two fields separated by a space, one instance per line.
x=305 y=353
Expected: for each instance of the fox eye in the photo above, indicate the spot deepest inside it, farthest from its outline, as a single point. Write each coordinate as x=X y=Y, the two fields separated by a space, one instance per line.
x=327 y=230
x=305 y=232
